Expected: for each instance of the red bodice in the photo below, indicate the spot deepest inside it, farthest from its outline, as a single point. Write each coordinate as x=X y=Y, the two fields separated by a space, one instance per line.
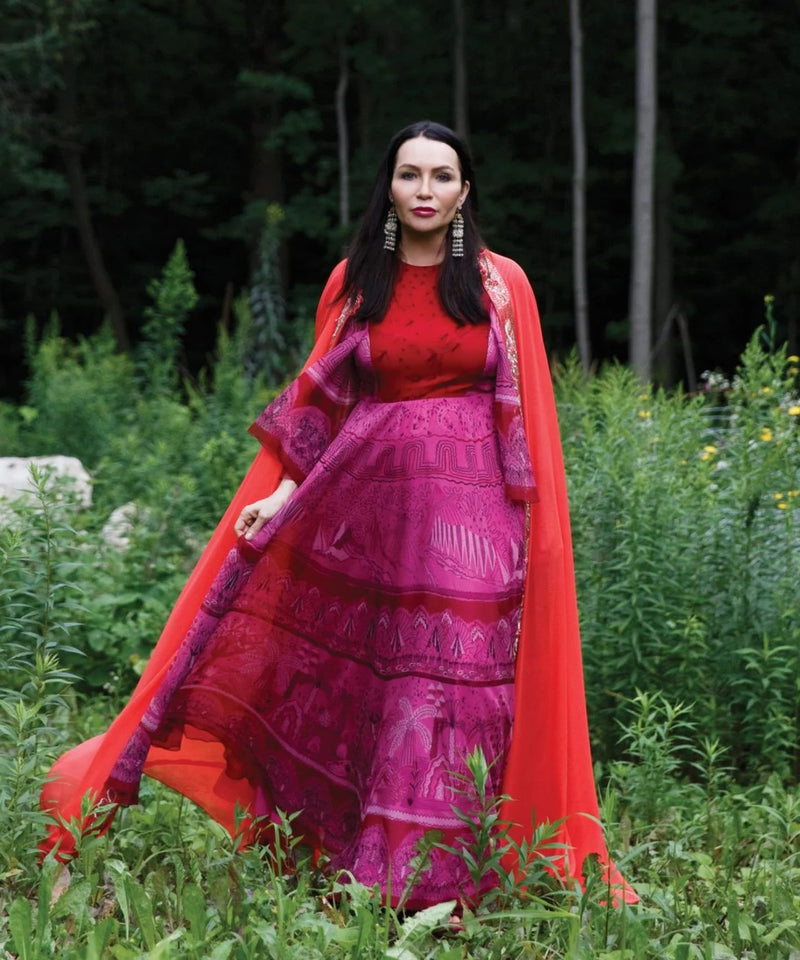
x=418 y=350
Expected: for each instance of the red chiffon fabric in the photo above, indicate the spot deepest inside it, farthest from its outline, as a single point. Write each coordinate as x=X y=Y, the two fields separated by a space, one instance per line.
x=549 y=770
x=549 y=773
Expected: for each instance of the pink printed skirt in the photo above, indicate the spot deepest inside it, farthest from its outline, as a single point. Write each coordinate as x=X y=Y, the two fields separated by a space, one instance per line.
x=353 y=653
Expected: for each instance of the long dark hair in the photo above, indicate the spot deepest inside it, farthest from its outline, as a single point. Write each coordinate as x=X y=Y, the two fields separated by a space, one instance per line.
x=372 y=271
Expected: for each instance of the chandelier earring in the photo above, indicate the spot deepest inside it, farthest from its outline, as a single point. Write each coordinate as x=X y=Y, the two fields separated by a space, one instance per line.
x=458 y=235
x=390 y=230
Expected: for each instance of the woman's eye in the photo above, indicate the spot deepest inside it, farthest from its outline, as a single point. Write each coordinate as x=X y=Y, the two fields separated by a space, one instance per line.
x=406 y=175
x=444 y=177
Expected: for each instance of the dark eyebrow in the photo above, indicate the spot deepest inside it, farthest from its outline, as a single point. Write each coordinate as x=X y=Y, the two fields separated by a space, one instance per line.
x=413 y=166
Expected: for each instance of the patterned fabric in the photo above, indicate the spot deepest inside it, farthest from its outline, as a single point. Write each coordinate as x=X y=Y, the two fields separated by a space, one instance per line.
x=416 y=351
x=303 y=420
x=353 y=652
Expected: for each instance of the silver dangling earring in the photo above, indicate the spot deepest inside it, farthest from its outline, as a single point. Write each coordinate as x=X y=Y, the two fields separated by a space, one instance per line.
x=458 y=234
x=390 y=230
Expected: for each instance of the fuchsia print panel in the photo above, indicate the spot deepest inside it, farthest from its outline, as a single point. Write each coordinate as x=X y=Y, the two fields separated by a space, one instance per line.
x=354 y=652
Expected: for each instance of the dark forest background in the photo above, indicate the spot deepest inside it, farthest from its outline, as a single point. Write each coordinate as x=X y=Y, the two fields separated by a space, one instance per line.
x=145 y=121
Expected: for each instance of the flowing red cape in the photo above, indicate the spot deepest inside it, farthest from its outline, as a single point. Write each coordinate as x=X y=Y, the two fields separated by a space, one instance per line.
x=549 y=772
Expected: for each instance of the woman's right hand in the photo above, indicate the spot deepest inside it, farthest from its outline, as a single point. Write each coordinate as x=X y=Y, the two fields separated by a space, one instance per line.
x=255 y=515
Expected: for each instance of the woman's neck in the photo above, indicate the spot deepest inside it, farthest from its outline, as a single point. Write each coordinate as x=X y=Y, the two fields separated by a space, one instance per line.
x=422 y=251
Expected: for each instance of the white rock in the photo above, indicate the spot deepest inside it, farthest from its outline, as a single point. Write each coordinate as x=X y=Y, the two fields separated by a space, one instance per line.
x=116 y=532
x=16 y=481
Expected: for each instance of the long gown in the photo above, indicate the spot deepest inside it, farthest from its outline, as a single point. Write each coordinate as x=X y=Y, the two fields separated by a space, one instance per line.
x=353 y=653
x=547 y=772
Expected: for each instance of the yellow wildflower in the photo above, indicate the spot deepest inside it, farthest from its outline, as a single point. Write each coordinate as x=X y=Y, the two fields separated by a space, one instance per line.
x=793 y=359
x=766 y=434
x=645 y=414
x=783 y=505
x=709 y=450
x=778 y=496
x=794 y=411
x=766 y=389
x=769 y=298
x=793 y=493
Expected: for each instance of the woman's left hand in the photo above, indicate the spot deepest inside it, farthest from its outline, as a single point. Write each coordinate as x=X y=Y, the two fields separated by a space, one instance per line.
x=255 y=515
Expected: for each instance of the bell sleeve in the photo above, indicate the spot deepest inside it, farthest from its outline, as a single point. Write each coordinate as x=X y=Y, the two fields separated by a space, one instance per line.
x=301 y=422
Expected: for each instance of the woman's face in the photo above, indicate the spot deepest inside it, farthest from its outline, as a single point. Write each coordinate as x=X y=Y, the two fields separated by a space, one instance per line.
x=427 y=188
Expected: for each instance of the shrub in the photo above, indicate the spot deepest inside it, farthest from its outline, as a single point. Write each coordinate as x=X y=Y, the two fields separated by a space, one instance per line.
x=686 y=523
x=78 y=396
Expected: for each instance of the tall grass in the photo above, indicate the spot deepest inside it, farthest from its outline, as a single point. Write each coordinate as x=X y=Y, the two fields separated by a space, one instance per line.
x=686 y=522
x=39 y=601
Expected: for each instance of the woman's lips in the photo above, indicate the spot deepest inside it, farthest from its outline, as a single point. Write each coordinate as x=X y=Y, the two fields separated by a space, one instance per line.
x=424 y=212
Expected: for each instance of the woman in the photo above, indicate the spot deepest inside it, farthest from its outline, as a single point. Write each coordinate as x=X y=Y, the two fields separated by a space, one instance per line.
x=404 y=593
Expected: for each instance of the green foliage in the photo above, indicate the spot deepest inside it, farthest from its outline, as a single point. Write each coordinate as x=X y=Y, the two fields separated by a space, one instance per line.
x=658 y=736
x=233 y=112
x=485 y=852
x=174 y=297
x=270 y=341
x=77 y=396
x=267 y=327
x=39 y=602
x=685 y=514
x=718 y=875
x=173 y=459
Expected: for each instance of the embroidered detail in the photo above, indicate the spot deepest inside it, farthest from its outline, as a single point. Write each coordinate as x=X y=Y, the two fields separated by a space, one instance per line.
x=499 y=294
x=467 y=548
x=510 y=430
x=525 y=558
x=350 y=307
x=302 y=421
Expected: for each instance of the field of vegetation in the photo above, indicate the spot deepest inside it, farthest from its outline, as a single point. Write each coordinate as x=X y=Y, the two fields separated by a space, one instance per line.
x=686 y=519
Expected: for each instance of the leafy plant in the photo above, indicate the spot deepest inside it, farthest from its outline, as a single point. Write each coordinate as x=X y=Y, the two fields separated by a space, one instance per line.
x=78 y=395
x=38 y=602
x=174 y=297
x=685 y=525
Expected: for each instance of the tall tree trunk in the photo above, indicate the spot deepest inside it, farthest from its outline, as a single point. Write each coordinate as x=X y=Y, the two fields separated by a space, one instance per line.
x=342 y=137
x=663 y=296
x=364 y=110
x=580 y=287
x=71 y=155
x=460 y=98
x=641 y=287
